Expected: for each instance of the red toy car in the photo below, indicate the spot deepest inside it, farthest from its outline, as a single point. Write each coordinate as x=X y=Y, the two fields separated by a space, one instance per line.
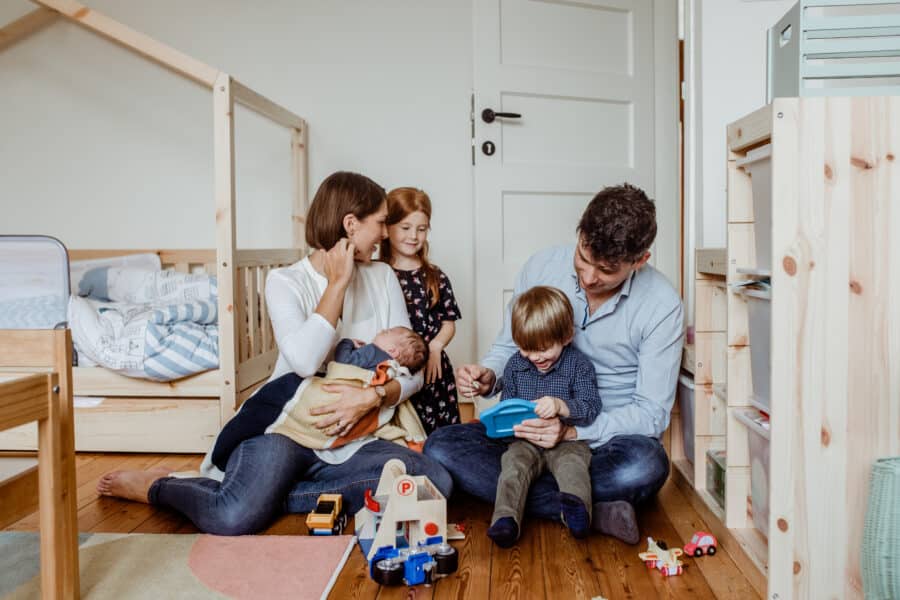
x=701 y=543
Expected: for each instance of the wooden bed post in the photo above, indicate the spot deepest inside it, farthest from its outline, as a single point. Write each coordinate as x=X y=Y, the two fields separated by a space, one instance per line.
x=299 y=162
x=62 y=341
x=226 y=267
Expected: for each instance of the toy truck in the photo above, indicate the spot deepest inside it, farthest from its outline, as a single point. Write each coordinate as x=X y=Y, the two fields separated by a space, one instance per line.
x=329 y=517
x=402 y=529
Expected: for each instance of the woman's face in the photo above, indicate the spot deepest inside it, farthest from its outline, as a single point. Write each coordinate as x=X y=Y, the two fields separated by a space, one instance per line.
x=366 y=234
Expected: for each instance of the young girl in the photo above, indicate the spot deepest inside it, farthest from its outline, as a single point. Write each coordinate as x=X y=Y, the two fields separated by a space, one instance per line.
x=429 y=300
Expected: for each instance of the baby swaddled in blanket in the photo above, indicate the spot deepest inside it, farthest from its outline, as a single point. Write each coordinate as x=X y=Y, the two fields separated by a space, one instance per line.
x=283 y=404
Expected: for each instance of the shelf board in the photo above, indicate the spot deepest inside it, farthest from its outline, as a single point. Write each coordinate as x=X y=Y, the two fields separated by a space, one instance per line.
x=712 y=261
x=687 y=358
x=711 y=503
x=721 y=392
x=755 y=546
x=685 y=469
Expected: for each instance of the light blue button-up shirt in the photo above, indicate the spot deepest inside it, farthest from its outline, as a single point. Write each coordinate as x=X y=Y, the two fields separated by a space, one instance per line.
x=634 y=340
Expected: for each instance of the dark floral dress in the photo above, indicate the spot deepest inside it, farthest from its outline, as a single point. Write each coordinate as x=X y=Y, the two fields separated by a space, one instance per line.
x=436 y=403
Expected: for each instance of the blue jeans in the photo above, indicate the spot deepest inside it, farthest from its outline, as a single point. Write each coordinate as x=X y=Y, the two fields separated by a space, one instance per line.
x=268 y=475
x=628 y=467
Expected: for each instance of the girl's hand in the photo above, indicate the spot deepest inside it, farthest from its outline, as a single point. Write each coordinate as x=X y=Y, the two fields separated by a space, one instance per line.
x=340 y=416
x=545 y=433
x=339 y=262
x=547 y=407
x=433 y=370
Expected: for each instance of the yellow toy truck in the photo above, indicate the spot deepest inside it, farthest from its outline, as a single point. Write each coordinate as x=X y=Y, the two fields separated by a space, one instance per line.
x=329 y=517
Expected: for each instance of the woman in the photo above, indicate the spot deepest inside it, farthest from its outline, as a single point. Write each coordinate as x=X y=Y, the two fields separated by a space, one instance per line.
x=336 y=292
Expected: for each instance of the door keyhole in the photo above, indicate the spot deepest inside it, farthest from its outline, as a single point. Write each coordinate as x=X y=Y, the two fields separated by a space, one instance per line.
x=488 y=148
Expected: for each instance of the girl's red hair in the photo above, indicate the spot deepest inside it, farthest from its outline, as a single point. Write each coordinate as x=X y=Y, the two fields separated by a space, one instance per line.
x=400 y=203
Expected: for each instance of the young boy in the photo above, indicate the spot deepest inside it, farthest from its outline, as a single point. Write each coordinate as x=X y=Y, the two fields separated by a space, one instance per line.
x=263 y=412
x=549 y=370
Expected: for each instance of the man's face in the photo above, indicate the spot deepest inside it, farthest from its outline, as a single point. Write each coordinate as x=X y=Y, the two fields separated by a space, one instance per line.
x=598 y=278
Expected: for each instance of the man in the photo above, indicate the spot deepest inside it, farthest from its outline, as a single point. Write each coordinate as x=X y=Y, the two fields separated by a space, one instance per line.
x=629 y=321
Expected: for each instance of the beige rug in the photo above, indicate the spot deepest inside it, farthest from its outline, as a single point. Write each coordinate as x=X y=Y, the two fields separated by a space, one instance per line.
x=154 y=566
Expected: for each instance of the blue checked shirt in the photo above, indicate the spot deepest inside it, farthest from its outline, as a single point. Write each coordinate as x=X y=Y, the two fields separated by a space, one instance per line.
x=634 y=340
x=571 y=379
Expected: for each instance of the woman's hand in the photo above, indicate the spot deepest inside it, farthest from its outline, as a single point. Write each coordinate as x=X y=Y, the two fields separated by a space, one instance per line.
x=340 y=416
x=475 y=380
x=545 y=433
x=339 y=262
x=433 y=370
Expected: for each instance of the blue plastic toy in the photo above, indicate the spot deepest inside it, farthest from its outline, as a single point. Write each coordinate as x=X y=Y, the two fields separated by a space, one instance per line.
x=500 y=418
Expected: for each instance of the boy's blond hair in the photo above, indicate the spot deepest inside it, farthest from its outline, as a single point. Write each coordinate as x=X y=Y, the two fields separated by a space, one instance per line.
x=541 y=317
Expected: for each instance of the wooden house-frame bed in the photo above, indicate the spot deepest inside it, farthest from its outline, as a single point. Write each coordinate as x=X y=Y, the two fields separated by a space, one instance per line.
x=125 y=414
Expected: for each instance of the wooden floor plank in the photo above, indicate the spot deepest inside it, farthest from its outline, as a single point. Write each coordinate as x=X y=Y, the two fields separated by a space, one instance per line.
x=129 y=518
x=719 y=571
x=354 y=582
x=690 y=584
x=547 y=562
x=473 y=579
x=518 y=572
x=620 y=574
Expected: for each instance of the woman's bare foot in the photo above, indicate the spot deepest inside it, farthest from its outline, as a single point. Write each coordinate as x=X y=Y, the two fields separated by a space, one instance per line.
x=130 y=485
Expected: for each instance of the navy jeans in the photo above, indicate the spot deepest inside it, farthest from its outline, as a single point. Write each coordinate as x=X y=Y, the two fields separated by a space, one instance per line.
x=268 y=475
x=628 y=467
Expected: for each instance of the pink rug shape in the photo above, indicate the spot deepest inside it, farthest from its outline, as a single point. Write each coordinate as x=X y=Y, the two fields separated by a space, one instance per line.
x=269 y=566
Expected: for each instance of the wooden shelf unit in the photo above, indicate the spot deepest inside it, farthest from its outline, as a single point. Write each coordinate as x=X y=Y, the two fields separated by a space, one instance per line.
x=835 y=339
x=704 y=359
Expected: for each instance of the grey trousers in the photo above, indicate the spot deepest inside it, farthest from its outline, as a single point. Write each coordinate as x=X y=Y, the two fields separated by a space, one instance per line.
x=521 y=464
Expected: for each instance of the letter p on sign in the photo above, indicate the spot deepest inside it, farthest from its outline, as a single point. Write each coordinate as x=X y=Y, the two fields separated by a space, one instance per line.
x=406 y=486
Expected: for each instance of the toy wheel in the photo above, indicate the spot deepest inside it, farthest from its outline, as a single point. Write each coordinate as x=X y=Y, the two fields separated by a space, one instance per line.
x=698 y=552
x=388 y=572
x=339 y=524
x=446 y=560
x=711 y=550
x=662 y=545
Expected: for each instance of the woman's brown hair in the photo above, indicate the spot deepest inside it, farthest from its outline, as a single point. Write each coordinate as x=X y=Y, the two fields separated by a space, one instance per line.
x=400 y=203
x=341 y=193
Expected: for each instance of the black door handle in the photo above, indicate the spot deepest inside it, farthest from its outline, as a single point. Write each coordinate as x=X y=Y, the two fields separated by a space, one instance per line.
x=488 y=115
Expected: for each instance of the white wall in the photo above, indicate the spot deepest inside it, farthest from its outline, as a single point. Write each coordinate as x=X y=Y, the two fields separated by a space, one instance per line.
x=733 y=83
x=102 y=149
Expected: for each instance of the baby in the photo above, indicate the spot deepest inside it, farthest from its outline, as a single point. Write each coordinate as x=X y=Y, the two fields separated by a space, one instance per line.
x=282 y=405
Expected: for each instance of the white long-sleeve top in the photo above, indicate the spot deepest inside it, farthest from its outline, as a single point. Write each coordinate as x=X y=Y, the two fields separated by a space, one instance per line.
x=306 y=340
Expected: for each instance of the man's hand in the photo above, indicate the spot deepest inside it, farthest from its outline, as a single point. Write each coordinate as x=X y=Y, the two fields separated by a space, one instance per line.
x=547 y=407
x=475 y=380
x=545 y=433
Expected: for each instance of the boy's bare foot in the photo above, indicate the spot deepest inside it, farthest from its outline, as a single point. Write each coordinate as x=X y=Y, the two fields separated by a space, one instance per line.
x=130 y=485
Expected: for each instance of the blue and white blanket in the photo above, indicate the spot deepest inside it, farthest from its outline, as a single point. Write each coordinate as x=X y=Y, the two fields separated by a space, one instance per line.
x=158 y=325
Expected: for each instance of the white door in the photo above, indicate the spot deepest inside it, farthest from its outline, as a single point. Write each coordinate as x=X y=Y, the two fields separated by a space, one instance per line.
x=581 y=75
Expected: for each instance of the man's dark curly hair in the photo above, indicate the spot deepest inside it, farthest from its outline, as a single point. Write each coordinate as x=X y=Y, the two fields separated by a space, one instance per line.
x=619 y=225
